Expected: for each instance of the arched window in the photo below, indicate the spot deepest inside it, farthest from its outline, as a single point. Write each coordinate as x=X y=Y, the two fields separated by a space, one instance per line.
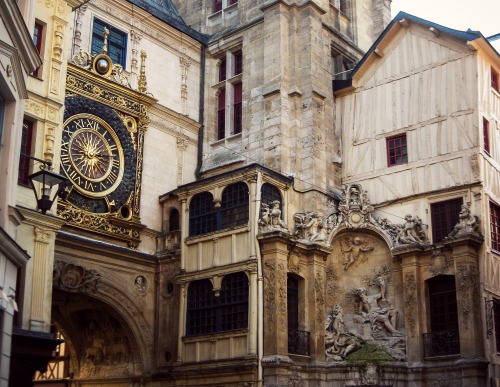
x=207 y=313
x=234 y=302
x=201 y=308
x=202 y=214
x=173 y=221
x=234 y=206
x=269 y=193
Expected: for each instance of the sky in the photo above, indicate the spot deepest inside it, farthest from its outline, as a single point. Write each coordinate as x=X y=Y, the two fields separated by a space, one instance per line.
x=479 y=15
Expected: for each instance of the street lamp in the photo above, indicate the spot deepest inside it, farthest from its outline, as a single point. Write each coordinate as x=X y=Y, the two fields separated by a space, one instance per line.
x=48 y=180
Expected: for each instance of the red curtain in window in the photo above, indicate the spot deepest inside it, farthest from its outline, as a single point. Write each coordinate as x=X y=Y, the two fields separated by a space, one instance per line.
x=238 y=63
x=24 y=162
x=494 y=80
x=238 y=94
x=221 y=115
x=217 y=5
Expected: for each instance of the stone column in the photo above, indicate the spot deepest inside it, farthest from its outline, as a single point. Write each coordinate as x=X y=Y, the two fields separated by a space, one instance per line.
x=465 y=258
x=274 y=257
x=252 y=335
x=38 y=234
x=182 y=320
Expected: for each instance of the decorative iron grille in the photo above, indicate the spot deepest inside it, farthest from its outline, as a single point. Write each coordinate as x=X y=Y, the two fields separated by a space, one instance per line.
x=298 y=342
x=441 y=343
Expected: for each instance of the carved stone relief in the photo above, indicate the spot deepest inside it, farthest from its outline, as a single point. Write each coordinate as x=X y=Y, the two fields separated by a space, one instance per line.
x=410 y=299
x=407 y=233
x=270 y=289
x=104 y=347
x=71 y=277
x=438 y=263
x=364 y=316
x=468 y=289
x=140 y=284
x=294 y=261
x=319 y=291
x=282 y=297
x=356 y=251
x=467 y=225
x=270 y=218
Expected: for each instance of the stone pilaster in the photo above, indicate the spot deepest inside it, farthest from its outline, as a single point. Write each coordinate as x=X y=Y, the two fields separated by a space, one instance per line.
x=274 y=257
x=465 y=259
x=413 y=298
x=316 y=304
x=38 y=237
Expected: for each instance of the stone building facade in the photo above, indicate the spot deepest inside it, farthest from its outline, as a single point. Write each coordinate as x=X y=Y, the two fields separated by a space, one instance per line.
x=251 y=200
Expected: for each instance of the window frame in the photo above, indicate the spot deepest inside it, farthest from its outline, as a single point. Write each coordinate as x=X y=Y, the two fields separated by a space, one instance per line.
x=495 y=80
x=211 y=313
x=38 y=36
x=202 y=215
x=486 y=136
x=26 y=150
x=450 y=208
x=229 y=95
x=235 y=206
x=112 y=43
x=174 y=220
x=391 y=146
x=495 y=227
x=436 y=287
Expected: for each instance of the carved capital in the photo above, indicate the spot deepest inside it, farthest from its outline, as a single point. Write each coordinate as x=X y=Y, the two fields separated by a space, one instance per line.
x=42 y=235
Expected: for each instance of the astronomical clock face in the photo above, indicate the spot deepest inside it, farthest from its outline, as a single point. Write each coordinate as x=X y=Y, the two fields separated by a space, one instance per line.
x=91 y=155
x=98 y=157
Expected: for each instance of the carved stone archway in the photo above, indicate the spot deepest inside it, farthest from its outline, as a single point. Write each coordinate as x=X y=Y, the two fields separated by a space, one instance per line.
x=104 y=327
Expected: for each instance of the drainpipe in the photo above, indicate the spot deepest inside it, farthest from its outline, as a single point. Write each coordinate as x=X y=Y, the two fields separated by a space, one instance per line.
x=201 y=113
x=260 y=288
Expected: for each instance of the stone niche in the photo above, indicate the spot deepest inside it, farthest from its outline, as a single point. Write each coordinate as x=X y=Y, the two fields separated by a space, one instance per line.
x=364 y=305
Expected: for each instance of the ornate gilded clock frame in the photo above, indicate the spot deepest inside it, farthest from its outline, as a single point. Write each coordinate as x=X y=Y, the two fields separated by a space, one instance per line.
x=97 y=79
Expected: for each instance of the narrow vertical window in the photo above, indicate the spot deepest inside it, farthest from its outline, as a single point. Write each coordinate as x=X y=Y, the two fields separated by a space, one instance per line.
x=2 y=107
x=173 y=221
x=238 y=62
x=495 y=85
x=25 y=152
x=444 y=217
x=397 y=151
x=237 y=116
x=496 y=322
x=486 y=135
x=37 y=40
x=495 y=226
x=222 y=69
x=221 y=115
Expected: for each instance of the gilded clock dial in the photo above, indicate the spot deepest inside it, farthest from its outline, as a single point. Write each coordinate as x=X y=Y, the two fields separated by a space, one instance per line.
x=91 y=155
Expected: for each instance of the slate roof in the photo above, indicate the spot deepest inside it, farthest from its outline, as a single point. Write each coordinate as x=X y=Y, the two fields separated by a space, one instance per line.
x=166 y=11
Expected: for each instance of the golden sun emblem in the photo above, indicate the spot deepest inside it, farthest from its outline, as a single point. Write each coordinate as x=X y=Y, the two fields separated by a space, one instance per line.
x=91 y=155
